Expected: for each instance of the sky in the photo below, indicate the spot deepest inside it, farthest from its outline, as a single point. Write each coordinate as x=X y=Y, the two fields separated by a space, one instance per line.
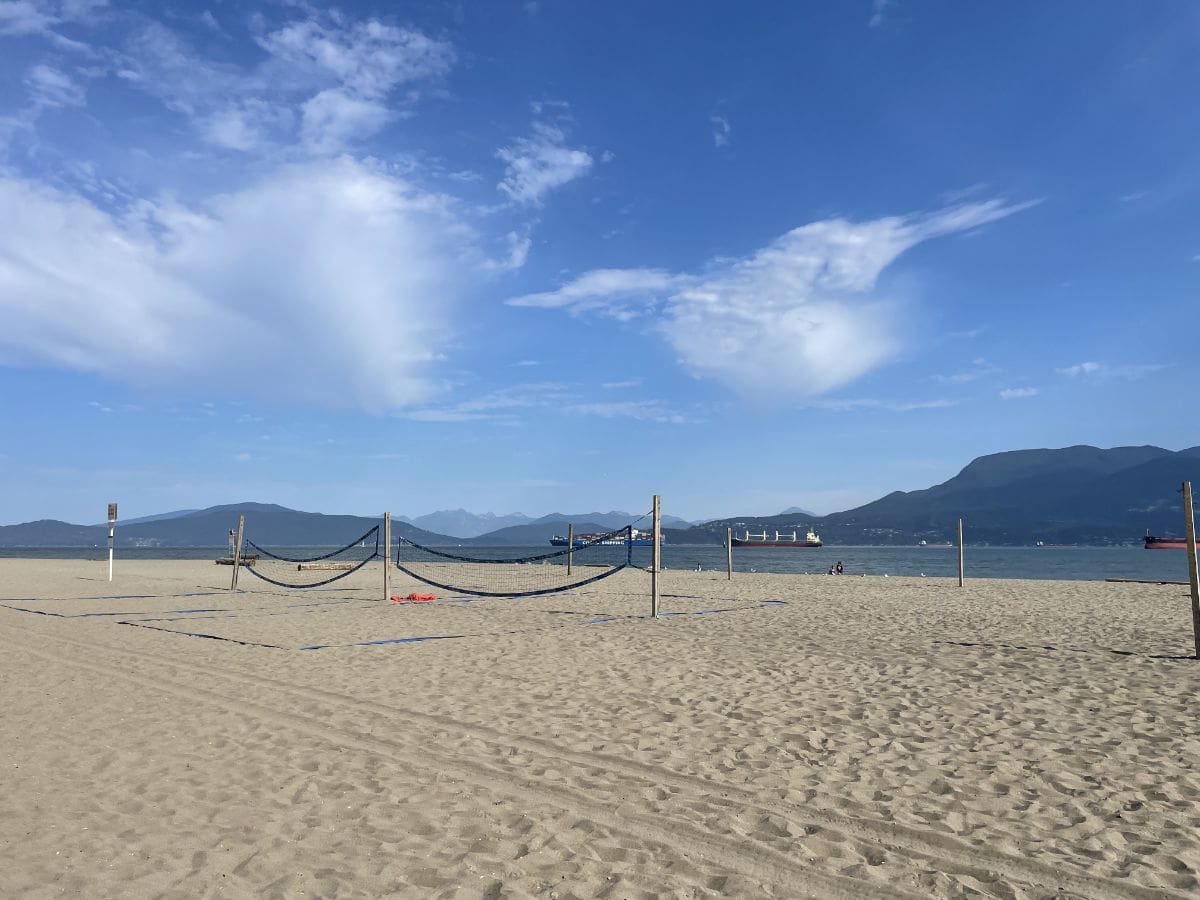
x=549 y=256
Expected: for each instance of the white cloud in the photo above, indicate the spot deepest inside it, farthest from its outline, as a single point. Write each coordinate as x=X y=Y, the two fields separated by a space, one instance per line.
x=327 y=282
x=495 y=405
x=878 y=7
x=334 y=119
x=797 y=317
x=720 y=130
x=23 y=17
x=1134 y=196
x=618 y=293
x=852 y=404
x=1104 y=370
x=1018 y=393
x=640 y=410
x=20 y=17
x=980 y=368
x=51 y=87
x=335 y=77
x=540 y=163
x=246 y=125
x=366 y=58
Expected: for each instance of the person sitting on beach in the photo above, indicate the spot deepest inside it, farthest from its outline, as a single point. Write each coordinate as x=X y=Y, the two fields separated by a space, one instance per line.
x=830 y=570
x=838 y=568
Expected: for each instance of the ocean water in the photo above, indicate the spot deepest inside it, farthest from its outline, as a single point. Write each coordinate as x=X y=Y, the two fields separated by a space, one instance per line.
x=1062 y=563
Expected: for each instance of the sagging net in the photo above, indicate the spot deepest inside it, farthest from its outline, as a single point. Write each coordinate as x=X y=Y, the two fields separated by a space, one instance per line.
x=316 y=570
x=514 y=572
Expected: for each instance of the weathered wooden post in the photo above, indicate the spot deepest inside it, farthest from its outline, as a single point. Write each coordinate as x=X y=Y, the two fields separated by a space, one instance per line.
x=570 y=545
x=387 y=556
x=237 y=552
x=655 y=556
x=1189 y=520
x=960 y=554
x=729 y=554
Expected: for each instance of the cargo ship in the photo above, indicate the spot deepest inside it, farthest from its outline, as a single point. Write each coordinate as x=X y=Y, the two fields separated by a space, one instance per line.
x=1165 y=543
x=811 y=539
x=637 y=539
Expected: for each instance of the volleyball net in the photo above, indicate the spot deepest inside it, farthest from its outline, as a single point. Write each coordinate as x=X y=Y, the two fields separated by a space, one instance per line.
x=500 y=572
x=315 y=570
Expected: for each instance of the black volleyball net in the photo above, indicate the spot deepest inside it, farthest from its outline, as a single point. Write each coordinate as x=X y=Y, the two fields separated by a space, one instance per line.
x=515 y=572
x=315 y=570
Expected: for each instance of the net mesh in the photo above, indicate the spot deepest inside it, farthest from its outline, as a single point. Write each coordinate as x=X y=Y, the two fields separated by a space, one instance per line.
x=314 y=571
x=514 y=572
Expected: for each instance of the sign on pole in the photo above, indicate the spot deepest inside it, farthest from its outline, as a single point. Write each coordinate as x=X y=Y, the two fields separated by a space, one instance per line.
x=112 y=526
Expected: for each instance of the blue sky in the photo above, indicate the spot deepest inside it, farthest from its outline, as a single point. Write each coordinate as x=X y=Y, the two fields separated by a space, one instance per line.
x=550 y=256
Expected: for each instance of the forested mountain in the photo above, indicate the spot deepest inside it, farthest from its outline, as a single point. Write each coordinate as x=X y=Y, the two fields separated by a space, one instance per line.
x=1074 y=495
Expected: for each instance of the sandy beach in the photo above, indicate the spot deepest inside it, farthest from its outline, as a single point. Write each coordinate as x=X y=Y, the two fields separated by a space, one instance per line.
x=774 y=736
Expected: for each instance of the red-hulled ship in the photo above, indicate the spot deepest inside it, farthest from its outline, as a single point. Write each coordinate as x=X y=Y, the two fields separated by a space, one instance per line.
x=1165 y=543
x=781 y=540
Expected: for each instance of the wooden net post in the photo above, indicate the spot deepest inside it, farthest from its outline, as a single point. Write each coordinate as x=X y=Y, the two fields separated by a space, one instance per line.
x=655 y=556
x=1189 y=520
x=729 y=554
x=387 y=556
x=960 y=554
x=237 y=551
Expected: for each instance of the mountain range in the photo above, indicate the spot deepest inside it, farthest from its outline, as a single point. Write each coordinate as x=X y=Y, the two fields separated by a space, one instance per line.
x=462 y=524
x=1072 y=495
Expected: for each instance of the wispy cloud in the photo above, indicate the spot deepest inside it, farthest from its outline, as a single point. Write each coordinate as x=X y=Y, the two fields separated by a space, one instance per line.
x=721 y=130
x=24 y=17
x=1019 y=393
x=979 y=368
x=641 y=410
x=618 y=293
x=878 y=8
x=51 y=87
x=218 y=293
x=537 y=164
x=496 y=405
x=1105 y=370
x=1134 y=196
x=902 y=406
x=799 y=316
x=327 y=81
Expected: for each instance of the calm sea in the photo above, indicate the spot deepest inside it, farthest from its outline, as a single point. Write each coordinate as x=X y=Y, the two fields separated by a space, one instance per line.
x=1065 y=563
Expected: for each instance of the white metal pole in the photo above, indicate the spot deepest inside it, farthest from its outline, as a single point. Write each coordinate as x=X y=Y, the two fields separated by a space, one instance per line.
x=112 y=527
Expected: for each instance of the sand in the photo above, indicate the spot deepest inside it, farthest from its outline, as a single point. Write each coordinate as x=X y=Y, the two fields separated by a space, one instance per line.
x=865 y=737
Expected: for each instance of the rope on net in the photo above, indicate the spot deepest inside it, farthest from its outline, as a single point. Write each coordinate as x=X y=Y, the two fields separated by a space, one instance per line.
x=591 y=542
x=253 y=570
x=302 y=559
x=597 y=541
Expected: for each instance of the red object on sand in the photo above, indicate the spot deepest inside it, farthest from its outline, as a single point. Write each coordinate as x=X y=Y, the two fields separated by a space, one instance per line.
x=414 y=598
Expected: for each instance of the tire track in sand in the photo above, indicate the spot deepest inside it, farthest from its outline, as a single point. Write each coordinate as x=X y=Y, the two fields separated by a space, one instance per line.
x=760 y=863
x=944 y=853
